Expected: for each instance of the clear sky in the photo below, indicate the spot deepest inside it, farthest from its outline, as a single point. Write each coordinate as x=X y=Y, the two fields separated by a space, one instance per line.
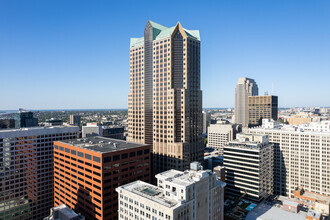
x=70 y=54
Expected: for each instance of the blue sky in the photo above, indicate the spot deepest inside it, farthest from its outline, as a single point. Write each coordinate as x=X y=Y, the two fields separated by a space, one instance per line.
x=70 y=54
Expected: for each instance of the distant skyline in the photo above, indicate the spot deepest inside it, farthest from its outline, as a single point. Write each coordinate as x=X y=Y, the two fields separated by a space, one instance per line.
x=59 y=54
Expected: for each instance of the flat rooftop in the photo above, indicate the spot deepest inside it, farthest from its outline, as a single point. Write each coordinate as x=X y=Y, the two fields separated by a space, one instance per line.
x=64 y=210
x=317 y=197
x=265 y=211
x=185 y=178
x=102 y=144
x=150 y=192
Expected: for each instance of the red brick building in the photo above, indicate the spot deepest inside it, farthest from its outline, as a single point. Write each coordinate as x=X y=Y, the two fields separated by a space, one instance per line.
x=87 y=172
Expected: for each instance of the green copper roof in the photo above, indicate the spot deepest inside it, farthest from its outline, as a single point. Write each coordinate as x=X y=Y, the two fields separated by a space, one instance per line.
x=161 y=32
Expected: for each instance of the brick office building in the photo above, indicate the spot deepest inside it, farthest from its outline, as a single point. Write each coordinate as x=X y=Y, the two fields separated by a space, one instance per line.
x=87 y=172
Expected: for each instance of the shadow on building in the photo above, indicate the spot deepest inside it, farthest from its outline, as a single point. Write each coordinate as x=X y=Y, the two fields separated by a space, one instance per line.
x=84 y=204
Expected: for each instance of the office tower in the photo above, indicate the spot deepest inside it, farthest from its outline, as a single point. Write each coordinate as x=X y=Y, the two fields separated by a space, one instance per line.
x=26 y=170
x=192 y=194
x=88 y=170
x=25 y=119
x=62 y=212
x=75 y=120
x=116 y=132
x=245 y=87
x=249 y=166
x=91 y=129
x=206 y=121
x=301 y=157
x=262 y=107
x=53 y=122
x=165 y=100
x=220 y=134
x=7 y=123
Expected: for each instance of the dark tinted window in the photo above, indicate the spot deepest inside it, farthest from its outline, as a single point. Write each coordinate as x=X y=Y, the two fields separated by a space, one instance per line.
x=116 y=157
x=107 y=159
x=124 y=156
x=132 y=154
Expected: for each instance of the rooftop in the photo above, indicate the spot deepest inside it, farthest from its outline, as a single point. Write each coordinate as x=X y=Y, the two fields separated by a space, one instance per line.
x=150 y=192
x=101 y=144
x=161 y=32
x=65 y=211
x=319 y=198
x=33 y=130
x=265 y=211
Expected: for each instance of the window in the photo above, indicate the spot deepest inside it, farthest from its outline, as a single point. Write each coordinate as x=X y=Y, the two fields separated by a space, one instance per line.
x=116 y=157
x=73 y=152
x=124 y=156
x=107 y=159
x=80 y=154
x=67 y=150
x=96 y=159
x=88 y=156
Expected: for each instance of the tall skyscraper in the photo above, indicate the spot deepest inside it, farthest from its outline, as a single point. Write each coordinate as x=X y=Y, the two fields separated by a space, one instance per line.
x=165 y=100
x=26 y=170
x=262 y=107
x=245 y=87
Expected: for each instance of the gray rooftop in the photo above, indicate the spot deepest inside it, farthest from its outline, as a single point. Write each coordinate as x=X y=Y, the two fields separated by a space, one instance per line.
x=102 y=144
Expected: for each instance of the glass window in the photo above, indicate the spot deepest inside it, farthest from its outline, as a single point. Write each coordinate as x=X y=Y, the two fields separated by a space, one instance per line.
x=80 y=154
x=96 y=159
x=73 y=152
x=88 y=156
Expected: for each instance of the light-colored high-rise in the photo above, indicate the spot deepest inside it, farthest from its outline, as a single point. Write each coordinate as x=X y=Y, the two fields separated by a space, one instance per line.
x=220 y=134
x=249 y=166
x=245 y=87
x=165 y=100
x=192 y=194
x=206 y=121
x=301 y=157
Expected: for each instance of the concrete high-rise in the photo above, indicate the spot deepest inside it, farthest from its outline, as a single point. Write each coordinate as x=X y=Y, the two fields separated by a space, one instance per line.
x=245 y=87
x=165 y=100
x=262 y=107
x=249 y=166
x=26 y=170
x=192 y=194
x=206 y=121
x=301 y=156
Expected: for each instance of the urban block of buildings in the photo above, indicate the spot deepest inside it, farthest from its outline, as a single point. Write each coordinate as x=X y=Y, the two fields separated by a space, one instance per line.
x=192 y=194
x=165 y=99
x=87 y=171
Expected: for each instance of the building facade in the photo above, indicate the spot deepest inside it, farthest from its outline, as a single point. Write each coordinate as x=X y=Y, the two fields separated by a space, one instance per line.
x=192 y=194
x=25 y=119
x=116 y=132
x=165 y=100
x=91 y=129
x=301 y=158
x=87 y=171
x=220 y=134
x=262 y=107
x=245 y=87
x=206 y=121
x=26 y=168
x=75 y=120
x=249 y=166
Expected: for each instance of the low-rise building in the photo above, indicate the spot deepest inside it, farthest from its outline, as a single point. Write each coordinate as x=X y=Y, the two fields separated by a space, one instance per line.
x=91 y=129
x=319 y=203
x=62 y=212
x=192 y=194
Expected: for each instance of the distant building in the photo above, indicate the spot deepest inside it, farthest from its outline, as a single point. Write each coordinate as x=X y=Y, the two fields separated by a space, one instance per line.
x=206 y=121
x=75 y=120
x=53 y=122
x=262 y=107
x=220 y=134
x=91 y=129
x=220 y=172
x=62 y=212
x=298 y=120
x=249 y=166
x=92 y=169
x=7 y=123
x=192 y=194
x=25 y=119
x=301 y=157
x=116 y=132
x=245 y=87
x=26 y=170
x=165 y=105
